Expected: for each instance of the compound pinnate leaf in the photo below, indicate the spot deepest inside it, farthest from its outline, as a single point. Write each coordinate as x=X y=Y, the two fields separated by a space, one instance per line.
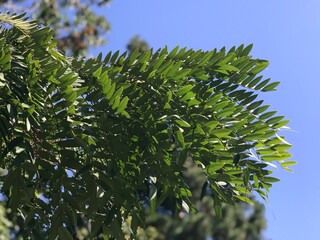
x=83 y=125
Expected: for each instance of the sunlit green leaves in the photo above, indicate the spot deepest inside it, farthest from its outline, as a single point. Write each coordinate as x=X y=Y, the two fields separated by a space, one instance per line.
x=244 y=199
x=215 y=166
x=122 y=105
x=270 y=87
x=182 y=123
x=221 y=133
x=90 y=133
x=180 y=138
x=184 y=89
x=288 y=163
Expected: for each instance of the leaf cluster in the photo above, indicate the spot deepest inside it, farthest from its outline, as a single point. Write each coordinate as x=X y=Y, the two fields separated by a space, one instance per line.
x=93 y=142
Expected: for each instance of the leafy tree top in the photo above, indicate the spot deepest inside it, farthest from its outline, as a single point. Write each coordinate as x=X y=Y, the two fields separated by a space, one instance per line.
x=105 y=137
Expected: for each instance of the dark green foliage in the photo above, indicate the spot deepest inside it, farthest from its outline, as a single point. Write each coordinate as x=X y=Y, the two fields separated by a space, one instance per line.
x=92 y=142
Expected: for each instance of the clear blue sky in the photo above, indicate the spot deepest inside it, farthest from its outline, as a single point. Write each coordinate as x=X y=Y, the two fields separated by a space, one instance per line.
x=287 y=33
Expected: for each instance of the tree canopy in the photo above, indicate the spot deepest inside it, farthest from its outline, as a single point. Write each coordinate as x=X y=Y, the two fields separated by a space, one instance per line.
x=99 y=140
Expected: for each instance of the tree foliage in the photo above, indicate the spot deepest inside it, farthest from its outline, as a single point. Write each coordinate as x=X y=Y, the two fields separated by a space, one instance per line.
x=93 y=142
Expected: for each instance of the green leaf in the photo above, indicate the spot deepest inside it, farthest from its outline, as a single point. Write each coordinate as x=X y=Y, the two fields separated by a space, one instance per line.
x=181 y=74
x=281 y=147
x=262 y=84
x=173 y=52
x=175 y=68
x=244 y=199
x=274 y=120
x=88 y=139
x=211 y=125
x=188 y=96
x=184 y=90
x=281 y=124
x=214 y=167
x=288 y=163
x=182 y=123
x=220 y=105
x=276 y=157
x=215 y=98
x=116 y=102
x=267 y=115
x=228 y=67
x=118 y=94
x=228 y=58
x=111 y=91
x=114 y=56
x=246 y=51
x=254 y=82
x=259 y=66
x=185 y=192
x=107 y=58
x=97 y=73
x=223 y=196
x=180 y=138
x=270 y=87
x=123 y=104
x=133 y=56
x=144 y=57
x=221 y=133
x=254 y=105
x=193 y=102
x=270 y=179
x=225 y=112
x=256 y=181
x=261 y=109
x=205 y=58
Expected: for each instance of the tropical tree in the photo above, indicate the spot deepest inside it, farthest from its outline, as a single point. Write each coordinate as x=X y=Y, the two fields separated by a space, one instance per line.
x=88 y=145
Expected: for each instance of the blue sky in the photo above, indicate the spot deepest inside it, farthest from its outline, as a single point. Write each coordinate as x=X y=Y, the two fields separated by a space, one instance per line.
x=287 y=33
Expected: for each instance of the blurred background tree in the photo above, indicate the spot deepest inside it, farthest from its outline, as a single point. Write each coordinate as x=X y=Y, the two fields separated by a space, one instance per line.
x=5 y=224
x=239 y=222
x=75 y=23
x=77 y=27
x=137 y=43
